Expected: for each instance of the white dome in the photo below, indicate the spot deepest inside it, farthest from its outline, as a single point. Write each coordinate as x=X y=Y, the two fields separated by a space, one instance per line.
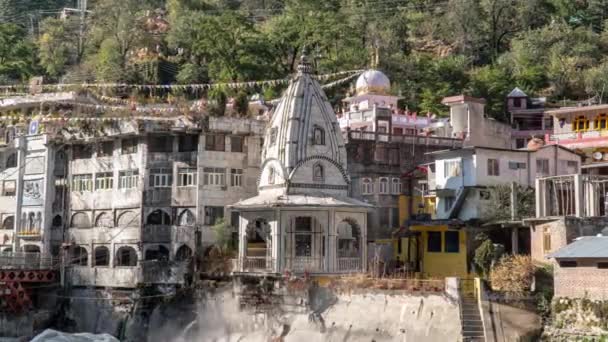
x=373 y=81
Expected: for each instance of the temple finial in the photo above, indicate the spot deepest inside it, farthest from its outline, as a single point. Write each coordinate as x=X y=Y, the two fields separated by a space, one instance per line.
x=304 y=67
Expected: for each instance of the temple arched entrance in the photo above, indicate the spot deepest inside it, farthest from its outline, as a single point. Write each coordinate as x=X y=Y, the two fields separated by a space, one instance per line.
x=258 y=245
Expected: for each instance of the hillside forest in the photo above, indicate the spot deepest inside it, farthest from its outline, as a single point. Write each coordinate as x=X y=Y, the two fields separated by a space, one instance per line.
x=556 y=49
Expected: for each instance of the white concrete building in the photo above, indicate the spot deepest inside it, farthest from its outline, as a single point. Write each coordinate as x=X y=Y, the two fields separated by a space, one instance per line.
x=303 y=220
x=461 y=177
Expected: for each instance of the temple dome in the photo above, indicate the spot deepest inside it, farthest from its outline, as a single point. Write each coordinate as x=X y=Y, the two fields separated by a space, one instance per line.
x=373 y=81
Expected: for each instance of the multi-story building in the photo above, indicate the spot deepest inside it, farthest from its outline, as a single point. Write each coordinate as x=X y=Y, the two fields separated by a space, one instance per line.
x=583 y=129
x=528 y=117
x=125 y=201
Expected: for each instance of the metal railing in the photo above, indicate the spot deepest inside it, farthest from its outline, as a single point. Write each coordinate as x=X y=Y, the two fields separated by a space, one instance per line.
x=26 y=261
x=409 y=139
x=248 y=264
x=305 y=264
x=349 y=264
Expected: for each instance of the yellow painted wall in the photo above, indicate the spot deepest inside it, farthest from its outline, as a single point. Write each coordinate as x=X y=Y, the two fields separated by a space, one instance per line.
x=404 y=204
x=443 y=264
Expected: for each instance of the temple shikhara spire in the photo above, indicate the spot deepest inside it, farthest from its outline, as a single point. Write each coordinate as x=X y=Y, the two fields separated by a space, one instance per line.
x=303 y=210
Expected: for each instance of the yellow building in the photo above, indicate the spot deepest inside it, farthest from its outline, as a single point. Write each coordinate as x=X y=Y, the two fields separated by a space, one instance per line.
x=439 y=251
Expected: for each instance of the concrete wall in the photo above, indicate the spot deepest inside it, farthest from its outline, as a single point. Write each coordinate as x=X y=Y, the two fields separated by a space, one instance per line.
x=443 y=264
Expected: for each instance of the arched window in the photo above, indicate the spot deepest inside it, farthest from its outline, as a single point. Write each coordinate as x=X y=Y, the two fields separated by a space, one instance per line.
x=9 y=223
x=318 y=174
x=80 y=220
x=128 y=219
x=601 y=121
x=79 y=256
x=183 y=253
x=318 y=136
x=11 y=161
x=158 y=252
x=367 y=186
x=104 y=220
x=31 y=221
x=580 y=124
x=126 y=256
x=38 y=221
x=186 y=218
x=396 y=186
x=349 y=239
x=383 y=188
x=102 y=256
x=158 y=217
x=271 y=176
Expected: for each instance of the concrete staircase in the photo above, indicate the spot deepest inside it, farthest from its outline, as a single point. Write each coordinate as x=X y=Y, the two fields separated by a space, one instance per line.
x=472 y=325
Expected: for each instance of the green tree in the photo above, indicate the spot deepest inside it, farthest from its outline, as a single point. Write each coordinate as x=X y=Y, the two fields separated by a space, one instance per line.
x=223 y=235
x=58 y=45
x=492 y=83
x=16 y=53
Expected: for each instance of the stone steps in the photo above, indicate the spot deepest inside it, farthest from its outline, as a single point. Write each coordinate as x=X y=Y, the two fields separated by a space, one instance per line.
x=472 y=325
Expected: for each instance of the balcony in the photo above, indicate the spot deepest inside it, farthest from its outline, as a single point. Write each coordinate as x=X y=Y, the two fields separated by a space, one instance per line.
x=254 y=264
x=305 y=264
x=26 y=261
x=128 y=277
x=164 y=272
x=407 y=139
x=349 y=265
x=592 y=138
x=29 y=234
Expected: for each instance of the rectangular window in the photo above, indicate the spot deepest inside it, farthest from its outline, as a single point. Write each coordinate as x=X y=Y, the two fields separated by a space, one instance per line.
x=236 y=177
x=516 y=165
x=213 y=214
x=520 y=143
x=493 y=167
x=381 y=154
x=161 y=178
x=234 y=219
x=8 y=188
x=448 y=202
x=568 y=263
x=602 y=265
x=236 y=143
x=82 y=183
x=82 y=152
x=129 y=146
x=188 y=143
x=214 y=176
x=452 y=242
x=105 y=149
x=104 y=181
x=395 y=217
x=542 y=167
x=451 y=168
x=161 y=144
x=303 y=245
x=128 y=179
x=393 y=156
x=186 y=177
x=434 y=242
x=215 y=142
x=546 y=240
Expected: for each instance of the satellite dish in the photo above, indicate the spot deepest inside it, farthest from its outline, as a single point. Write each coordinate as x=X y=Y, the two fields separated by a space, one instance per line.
x=597 y=155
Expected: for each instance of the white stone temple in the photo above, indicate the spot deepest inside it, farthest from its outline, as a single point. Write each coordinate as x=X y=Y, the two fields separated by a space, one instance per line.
x=303 y=220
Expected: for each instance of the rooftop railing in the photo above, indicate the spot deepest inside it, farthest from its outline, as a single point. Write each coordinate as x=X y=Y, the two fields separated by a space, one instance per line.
x=407 y=139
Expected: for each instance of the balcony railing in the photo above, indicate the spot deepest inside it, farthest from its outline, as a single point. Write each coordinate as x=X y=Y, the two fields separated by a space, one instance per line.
x=409 y=139
x=29 y=234
x=305 y=264
x=25 y=261
x=575 y=136
x=349 y=264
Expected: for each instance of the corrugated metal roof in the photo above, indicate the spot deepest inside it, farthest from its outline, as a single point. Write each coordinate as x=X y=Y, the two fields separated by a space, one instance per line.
x=584 y=247
x=516 y=92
